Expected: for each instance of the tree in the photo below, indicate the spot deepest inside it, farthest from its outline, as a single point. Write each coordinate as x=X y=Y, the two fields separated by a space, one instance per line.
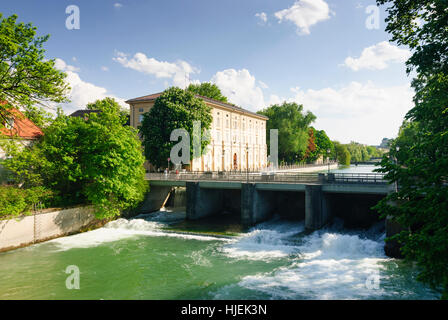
x=341 y=153
x=26 y=77
x=97 y=161
x=358 y=152
x=321 y=145
x=293 y=125
x=39 y=116
x=312 y=152
x=209 y=90
x=418 y=159
x=109 y=106
x=174 y=109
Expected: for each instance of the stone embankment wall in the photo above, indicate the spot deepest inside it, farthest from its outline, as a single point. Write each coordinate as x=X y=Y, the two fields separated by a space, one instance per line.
x=23 y=231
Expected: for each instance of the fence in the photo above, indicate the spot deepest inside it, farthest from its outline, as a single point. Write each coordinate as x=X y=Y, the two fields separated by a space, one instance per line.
x=268 y=177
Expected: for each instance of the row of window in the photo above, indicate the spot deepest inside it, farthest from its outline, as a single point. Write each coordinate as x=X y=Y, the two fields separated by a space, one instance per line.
x=235 y=125
x=235 y=122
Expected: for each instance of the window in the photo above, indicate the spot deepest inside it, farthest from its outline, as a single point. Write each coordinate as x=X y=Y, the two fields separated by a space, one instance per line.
x=140 y=118
x=141 y=110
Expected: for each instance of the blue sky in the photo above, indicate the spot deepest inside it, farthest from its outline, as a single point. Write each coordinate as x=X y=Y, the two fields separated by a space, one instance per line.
x=319 y=53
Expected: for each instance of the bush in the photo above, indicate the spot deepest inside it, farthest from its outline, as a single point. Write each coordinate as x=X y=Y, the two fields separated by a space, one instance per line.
x=15 y=201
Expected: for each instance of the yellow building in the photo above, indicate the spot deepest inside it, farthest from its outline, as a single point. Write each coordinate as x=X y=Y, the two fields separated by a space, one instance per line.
x=238 y=136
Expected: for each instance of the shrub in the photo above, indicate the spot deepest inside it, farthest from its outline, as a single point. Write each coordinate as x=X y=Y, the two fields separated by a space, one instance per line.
x=15 y=201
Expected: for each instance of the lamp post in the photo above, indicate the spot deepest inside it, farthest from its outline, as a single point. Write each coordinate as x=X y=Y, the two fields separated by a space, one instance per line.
x=223 y=159
x=328 y=159
x=247 y=162
x=396 y=163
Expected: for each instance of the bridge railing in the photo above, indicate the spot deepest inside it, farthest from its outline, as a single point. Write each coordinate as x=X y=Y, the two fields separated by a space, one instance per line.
x=343 y=178
x=278 y=177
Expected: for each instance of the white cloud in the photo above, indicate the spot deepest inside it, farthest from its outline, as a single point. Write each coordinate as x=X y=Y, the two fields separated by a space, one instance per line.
x=262 y=16
x=178 y=71
x=239 y=86
x=262 y=84
x=378 y=57
x=304 y=14
x=61 y=65
x=104 y=68
x=117 y=5
x=82 y=92
x=362 y=112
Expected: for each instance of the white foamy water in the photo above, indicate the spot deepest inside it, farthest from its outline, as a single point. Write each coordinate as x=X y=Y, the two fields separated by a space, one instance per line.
x=122 y=229
x=331 y=266
x=266 y=241
x=327 y=264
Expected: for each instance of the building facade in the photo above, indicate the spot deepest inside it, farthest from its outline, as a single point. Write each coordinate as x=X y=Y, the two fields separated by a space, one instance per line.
x=19 y=130
x=238 y=136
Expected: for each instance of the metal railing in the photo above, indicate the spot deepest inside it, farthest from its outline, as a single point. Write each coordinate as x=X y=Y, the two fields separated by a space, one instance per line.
x=305 y=165
x=270 y=177
x=343 y=178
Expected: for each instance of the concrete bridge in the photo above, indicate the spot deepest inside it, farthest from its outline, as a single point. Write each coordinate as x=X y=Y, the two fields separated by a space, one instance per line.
x=315 y=197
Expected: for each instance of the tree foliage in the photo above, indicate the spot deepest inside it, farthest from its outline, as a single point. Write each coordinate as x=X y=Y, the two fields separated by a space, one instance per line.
x=209 y=90
x=174 y=109
x=293 y=125
x=341 y=153
x=26 y=77
x=319 y=145
x=97 y=161
x=418 y=159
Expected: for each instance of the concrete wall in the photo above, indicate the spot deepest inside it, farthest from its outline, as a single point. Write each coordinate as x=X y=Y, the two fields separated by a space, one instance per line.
x=18 y=232
x=318 y=212
x=393 y=248
x=154 y=199
x=256 y=205
x=202 y=202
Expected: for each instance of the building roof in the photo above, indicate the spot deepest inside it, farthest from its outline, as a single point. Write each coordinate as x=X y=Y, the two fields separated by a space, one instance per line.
x=229 y=106
x=83 y=113
x=22 y=127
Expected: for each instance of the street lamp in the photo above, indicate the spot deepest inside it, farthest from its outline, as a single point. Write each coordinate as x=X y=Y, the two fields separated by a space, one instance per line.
x=328 y=159
x=247 y=162
x=396 y=163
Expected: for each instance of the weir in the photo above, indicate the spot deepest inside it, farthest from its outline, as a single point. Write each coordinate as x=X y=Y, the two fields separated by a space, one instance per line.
x=315 y=198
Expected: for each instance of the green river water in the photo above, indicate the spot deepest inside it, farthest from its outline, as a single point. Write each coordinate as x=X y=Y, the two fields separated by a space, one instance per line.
x=142 y=259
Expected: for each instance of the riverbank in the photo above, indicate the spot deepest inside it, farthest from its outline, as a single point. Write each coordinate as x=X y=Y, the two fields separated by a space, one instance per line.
x=27 y=230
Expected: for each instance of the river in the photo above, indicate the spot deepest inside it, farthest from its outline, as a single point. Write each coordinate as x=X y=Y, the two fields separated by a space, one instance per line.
x=143 y=258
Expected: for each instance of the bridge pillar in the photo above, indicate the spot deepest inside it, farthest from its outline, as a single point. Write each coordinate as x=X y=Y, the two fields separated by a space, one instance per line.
x=155 y=199
x=256 y=206
x=317 y=211
x=202 y=203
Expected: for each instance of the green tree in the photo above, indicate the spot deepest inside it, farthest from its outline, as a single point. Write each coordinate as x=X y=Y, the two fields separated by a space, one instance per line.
x=209 y=90
x=418 y=159
x=39 y=116
x=97 y=161
x=358 y=152
x=110 y=107
x=174 y=109
x=293 y=125
x=341 y=153
x=26 y=77
x=322 y=145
